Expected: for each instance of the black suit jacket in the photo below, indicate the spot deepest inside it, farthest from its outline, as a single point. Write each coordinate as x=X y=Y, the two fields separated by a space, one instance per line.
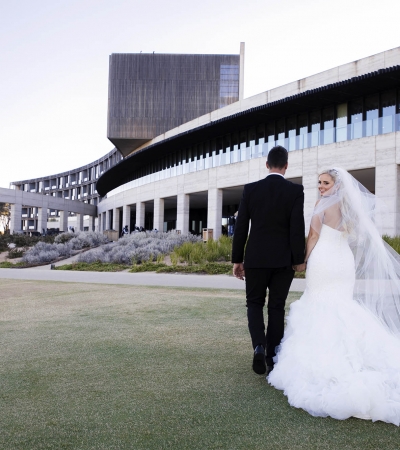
x=274 y=207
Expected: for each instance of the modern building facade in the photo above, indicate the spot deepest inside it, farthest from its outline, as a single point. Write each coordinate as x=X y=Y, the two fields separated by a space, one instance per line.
x=148 y=95
x=66 y=188
x=191 y=176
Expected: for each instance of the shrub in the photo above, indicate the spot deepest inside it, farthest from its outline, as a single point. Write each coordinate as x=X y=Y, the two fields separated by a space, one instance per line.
x=63 y=238
x=16 y=252
x=394 y=242
x=43 y=252
x=199 y=252
x=137 y=248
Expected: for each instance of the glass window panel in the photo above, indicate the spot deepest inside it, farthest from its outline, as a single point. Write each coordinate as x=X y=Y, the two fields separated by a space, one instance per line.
x=243 y=139
x=252 y=135
x=315 y=125
x=315 y=121
x=341 y=122
x=270 y=131
x=388 y=100
x=328 y=115
x=371 y=106
x=302 y=126
x=291 y=126
x=356 y=117
x=280 y=129
x=291 y=132
x=260 y=132
x=302 y=123
x=328 y=118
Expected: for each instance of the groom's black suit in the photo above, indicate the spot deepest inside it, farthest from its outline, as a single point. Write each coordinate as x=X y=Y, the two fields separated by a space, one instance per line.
x=274 y=207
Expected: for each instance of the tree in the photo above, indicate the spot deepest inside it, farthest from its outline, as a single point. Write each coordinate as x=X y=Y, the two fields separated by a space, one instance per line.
x=5 y=216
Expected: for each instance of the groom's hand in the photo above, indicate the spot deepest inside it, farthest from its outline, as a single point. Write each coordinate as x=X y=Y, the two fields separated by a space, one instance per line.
x=238 y=271
x=300 y=267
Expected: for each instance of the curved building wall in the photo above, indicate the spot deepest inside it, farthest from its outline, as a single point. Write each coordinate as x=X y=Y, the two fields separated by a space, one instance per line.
x=192 y=177
x=66 y=191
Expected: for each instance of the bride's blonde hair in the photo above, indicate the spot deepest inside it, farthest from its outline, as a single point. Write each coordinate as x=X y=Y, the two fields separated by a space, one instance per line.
x=348 y=222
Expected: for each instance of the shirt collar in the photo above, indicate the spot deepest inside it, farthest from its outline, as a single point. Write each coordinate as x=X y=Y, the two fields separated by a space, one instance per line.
x=274 y=173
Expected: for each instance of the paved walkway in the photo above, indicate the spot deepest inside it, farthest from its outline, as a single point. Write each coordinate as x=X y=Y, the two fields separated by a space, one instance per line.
x=143 y=278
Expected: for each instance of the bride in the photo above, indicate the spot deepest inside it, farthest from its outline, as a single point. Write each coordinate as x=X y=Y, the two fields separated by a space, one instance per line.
x=340 y=355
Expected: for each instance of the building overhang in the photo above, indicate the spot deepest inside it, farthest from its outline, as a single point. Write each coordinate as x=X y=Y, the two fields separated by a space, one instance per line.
x=127 y=146
x=331 y=94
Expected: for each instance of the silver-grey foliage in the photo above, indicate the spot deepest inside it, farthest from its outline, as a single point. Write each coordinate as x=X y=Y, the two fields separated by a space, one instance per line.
x=137 y=248
x=43 y=252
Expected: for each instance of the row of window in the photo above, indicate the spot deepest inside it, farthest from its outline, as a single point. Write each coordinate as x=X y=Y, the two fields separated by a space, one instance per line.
x=87 y=177
x=363 y=117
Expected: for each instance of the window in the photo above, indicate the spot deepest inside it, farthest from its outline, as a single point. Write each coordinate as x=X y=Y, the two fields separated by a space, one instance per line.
x=328 y=124
x=341 y=122
x=291 y=132
x=302 y=126
x=372 y=115
x=388 y=101
x=315 y=125
x=229 y=84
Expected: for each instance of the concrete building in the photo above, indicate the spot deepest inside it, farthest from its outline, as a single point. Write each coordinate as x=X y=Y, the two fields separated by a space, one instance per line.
x=148 y=95
x=191 y=177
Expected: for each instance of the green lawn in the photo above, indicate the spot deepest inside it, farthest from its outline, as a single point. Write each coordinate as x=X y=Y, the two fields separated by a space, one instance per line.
x=87 y=366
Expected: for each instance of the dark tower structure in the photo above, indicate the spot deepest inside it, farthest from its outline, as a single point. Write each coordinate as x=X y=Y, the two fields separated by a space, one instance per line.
x=150 y=94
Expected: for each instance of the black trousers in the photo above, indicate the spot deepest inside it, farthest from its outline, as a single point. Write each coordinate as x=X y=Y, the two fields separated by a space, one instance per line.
x=278 y=282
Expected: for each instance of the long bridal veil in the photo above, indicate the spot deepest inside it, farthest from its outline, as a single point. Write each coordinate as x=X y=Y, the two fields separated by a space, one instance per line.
x=350 y=208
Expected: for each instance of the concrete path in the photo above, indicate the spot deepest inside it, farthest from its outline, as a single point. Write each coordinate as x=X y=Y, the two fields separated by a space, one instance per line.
x=143 y=279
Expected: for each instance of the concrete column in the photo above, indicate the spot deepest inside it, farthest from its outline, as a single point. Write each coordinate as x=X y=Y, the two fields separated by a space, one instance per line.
x=182 y=213
x=79 y=222
x=91 y=223
x=116 y=225
x=64 y=221
x=107 y=224
x=388 y=190
x=387 y=183
x=310 y=183
x=214 y=211
x=42 y=219
x=158 y=221
x=126 y=216
x=15 y=221
x=140 y=210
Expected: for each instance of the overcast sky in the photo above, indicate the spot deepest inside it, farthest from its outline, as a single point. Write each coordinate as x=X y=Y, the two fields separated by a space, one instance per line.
x=54 y=60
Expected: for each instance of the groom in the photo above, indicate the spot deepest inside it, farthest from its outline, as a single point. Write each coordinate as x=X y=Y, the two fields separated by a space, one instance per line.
x=275 y=249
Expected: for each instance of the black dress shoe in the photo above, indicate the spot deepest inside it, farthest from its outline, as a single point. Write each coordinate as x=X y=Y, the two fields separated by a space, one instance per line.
x=259 y=364
x=269 y=369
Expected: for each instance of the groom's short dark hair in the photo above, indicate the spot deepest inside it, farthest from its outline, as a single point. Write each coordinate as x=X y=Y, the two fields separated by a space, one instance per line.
x=277 y=157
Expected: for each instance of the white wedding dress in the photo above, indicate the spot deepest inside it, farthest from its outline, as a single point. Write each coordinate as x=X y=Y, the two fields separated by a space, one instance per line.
x=336 y=358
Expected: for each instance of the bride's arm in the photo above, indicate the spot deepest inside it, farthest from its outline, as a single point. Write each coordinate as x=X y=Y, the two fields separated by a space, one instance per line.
x=312 y=239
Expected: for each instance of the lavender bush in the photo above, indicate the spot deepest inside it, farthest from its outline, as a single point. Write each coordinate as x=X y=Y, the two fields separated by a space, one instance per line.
x=63 y=246
x=137 y=248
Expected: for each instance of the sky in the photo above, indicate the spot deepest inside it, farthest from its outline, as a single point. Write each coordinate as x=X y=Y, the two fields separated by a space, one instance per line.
x=54 y=60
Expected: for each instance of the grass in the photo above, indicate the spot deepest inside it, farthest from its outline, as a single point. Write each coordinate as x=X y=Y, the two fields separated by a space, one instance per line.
x=204 y=268
x=10 y=265
x=96 y=266
x=394 y=242
x=90 y=366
